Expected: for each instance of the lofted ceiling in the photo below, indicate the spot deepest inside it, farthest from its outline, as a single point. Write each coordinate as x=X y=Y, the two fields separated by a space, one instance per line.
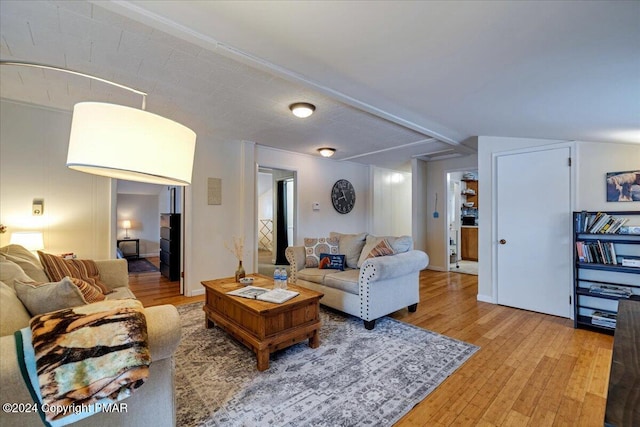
x=391 y=81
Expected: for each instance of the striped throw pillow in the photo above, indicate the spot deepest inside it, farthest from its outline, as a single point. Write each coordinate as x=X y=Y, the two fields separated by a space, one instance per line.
x=58 y=268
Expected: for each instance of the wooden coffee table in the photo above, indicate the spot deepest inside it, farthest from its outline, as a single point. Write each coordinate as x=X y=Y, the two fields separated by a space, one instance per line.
x=262 y=326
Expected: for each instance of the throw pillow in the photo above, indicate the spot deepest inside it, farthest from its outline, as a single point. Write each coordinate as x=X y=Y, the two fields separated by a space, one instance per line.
x=313 y=247
x=383 y=248
x=46 y=297
x=26 y=260
x=10 y=271
x=58 y=268
x=13 y=315
x=333 y=262
x=351 y=246
x=398 y=244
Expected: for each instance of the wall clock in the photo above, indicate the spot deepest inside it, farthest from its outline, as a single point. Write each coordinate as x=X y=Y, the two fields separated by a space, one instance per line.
x=343 y=196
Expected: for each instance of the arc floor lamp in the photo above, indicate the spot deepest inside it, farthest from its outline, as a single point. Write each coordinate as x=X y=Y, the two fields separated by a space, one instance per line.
x=157 y=150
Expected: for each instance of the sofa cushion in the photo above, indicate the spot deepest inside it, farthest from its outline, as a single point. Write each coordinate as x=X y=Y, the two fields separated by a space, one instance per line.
x=351 y=246
x=13 y=315
x=58 y=268
x=314 y=275
x=10 y=271
x=46 y=297
x=383 y=248
x=332 y=262
x=313 y=247
x=120 y=293
x=346 y=281
x=26 y=260
x=398 y=244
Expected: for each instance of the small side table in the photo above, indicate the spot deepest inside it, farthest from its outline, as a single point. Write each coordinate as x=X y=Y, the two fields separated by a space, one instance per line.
x=137 y=242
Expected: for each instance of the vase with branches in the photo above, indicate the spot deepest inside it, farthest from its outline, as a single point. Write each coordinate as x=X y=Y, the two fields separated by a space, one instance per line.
x=238 y=250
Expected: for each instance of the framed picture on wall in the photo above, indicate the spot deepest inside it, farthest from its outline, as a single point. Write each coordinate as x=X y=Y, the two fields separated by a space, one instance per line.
x=623 y=186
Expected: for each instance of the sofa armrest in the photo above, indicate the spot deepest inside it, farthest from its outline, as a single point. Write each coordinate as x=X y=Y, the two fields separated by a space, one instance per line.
x=163 y=329
x=389 y=267
x=296 y=257
x=114 y=272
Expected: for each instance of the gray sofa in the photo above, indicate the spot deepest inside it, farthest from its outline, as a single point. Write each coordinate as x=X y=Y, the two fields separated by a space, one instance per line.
x=152 y=405
x=368 y=288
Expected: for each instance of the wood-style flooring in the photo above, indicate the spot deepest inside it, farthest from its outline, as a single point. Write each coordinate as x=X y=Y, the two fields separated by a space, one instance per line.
x=531 y=370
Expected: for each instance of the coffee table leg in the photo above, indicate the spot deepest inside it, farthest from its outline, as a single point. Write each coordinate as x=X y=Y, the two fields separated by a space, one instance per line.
x=263 y=359
x=314 y=340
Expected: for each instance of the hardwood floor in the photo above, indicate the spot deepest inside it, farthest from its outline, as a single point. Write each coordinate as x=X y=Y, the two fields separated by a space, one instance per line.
x=531 y=369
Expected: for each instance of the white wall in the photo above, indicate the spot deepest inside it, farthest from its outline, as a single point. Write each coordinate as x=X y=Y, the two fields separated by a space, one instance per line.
x=143 y=212
x=315 y=177
x=33 y=154
x=391 y=202
x=594 y=161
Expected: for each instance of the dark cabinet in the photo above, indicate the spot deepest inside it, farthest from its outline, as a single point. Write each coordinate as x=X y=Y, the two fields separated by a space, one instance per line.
x=170 y=246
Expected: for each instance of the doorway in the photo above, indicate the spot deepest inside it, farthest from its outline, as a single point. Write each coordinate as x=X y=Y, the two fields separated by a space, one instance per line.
x=276 y=221
x=146 y=216
x=462 y=209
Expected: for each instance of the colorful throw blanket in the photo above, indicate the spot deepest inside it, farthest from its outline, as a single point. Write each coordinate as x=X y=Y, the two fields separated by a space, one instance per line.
x=86 y=354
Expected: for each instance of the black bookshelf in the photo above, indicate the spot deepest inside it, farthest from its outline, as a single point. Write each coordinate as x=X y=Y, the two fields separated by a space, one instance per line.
x=597 y=264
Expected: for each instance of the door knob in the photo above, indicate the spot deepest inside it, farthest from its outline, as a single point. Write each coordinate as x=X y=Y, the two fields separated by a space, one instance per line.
x=503 y=242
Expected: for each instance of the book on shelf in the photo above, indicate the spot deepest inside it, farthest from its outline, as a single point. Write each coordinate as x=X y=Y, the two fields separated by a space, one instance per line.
x=597 y=252
x=263 y=294
x=601 y=318
x=611 y=290
x=599 y=223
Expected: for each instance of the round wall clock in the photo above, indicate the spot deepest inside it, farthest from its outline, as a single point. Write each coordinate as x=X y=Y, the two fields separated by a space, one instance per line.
x=343 y=196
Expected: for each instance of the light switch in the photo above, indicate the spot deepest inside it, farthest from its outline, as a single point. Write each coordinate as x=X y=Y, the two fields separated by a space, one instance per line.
x=315 y=206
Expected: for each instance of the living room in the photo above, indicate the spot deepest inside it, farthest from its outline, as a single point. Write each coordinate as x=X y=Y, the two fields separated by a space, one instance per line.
x=80 y=209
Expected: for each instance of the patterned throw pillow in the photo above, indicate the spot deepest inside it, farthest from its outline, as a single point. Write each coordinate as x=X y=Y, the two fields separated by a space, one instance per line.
x=383 y=248
x=313 y=247
x=333 y=262
x=58 y=268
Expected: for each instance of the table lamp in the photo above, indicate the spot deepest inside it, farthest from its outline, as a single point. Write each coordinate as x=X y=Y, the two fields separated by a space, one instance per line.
x=30 y=240
x=127 y=225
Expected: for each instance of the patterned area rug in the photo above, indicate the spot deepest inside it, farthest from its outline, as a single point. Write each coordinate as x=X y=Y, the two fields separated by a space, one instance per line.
x=140 y=265
x=356 y=377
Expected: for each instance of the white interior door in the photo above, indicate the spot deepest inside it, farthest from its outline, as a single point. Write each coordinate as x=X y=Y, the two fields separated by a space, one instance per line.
x=534 y=250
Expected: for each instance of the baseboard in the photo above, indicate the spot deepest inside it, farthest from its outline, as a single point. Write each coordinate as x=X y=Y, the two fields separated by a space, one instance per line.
x=197 y=292
x=436 y=268
x=485 y=298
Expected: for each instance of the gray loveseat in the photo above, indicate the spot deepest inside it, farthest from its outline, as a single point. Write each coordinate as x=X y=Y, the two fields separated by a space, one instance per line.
x=369 y=287
x=152 y=405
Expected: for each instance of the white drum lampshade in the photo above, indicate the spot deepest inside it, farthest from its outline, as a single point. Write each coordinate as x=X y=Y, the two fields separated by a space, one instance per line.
x=30 y=240
x=128 y=143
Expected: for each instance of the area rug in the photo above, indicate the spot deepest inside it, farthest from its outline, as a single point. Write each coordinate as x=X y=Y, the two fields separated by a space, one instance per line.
x=141 y=265
x=356 y=377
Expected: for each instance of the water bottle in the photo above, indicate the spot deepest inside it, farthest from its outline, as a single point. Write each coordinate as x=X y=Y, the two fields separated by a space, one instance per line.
x=276 y=278
x=283 y=278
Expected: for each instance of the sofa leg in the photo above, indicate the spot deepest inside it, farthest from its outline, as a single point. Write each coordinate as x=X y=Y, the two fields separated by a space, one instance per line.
x=369 y=324
x=413 y=307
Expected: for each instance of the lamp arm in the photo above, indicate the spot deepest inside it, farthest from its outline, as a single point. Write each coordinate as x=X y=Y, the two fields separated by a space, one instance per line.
x=78 y=73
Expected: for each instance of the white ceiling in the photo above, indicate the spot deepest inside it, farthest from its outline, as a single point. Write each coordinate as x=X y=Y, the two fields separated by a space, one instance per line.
x=391 y=80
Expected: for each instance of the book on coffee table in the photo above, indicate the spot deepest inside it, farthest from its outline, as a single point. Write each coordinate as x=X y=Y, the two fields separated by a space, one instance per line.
x=271 y=295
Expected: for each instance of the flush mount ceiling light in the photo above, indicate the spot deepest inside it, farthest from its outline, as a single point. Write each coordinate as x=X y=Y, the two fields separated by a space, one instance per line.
x=126 y=143
x=302 y=109
x=326 y=151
